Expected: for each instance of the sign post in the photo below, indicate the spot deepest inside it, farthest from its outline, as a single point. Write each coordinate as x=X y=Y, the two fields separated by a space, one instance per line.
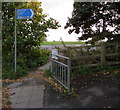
x=21 y=14
x=15 y=43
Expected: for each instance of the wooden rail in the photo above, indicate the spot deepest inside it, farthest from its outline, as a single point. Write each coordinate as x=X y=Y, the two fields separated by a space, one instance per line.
x=101 y=55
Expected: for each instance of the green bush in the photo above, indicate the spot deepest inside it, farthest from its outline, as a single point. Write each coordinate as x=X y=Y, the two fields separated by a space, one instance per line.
x=35 y=58
x=10 y=74
x=107 y=68
x=83 y=70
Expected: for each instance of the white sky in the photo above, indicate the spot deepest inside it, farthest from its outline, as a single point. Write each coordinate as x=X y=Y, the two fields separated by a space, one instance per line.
x=59 y=10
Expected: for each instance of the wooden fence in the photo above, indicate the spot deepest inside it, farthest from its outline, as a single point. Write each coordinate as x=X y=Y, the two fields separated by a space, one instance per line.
x=93 y=55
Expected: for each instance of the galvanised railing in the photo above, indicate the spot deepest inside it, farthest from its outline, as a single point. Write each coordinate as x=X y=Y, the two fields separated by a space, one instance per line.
x=61 y=71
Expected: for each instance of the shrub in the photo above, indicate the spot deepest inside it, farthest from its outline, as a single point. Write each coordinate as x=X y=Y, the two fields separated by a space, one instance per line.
x=83 y=70
x=35 y=58
x=88 y=70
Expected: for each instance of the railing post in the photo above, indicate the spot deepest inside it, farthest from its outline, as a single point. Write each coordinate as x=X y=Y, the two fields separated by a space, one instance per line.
x=51 y=63
x=102 y=59
x=69 y=64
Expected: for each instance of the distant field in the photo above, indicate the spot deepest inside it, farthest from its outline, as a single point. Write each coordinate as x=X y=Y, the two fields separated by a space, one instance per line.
x=60 y=43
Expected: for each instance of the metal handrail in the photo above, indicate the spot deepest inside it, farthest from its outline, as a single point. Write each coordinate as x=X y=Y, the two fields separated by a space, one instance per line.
x=60 y=56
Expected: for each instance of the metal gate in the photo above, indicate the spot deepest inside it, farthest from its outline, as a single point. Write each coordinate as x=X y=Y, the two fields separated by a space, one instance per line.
x=61 y=71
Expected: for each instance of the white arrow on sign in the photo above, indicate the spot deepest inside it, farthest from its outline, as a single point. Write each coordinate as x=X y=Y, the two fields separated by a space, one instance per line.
x=32 y=13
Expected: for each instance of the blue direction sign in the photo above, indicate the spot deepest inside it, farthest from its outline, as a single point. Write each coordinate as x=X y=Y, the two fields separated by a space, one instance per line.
x=24 y=13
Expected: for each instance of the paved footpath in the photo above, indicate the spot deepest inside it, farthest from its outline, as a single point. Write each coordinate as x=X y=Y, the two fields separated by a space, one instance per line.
x=30 y=92
x=27 y=94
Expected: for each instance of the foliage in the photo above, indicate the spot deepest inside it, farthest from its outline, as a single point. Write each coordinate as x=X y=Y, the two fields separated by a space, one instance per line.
x=89 y=71
x=108 y=68
x=30 y=35
x=70 y=94
x=101 y=16
x=34 y=59
x=83 y=70
x=5 y=94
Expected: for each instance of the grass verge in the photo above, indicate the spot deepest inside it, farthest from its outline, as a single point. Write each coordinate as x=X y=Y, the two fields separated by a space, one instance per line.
x=60 y=43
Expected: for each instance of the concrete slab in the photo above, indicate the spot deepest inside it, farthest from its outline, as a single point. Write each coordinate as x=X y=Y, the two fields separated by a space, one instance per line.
x=20 y=105
x=15 y=92
x=35 y=104
x=22 y=100
x=27 y=88
x=16 y=84
x=28 y=97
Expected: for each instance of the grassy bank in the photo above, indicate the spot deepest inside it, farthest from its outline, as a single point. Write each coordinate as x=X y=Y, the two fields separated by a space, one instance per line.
x=60 y=43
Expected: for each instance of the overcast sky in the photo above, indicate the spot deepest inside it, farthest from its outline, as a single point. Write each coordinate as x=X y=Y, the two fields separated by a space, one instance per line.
x=59 y=10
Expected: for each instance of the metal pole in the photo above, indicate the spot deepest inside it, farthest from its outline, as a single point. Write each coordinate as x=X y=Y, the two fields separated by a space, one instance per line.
x=69 y=64
x=15 y=43
x=51 y=63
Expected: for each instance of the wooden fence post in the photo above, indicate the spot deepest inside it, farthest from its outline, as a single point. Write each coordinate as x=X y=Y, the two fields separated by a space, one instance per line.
x=102 y=59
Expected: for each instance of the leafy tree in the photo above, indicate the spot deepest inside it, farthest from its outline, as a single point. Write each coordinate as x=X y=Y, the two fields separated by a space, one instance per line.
x=101 y=16
x=30 y=34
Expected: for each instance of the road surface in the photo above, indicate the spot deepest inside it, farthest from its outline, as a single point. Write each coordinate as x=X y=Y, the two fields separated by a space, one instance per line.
x=50 y=47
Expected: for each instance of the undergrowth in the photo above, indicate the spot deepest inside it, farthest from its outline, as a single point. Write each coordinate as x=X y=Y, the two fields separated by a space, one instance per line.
x=90 y=71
